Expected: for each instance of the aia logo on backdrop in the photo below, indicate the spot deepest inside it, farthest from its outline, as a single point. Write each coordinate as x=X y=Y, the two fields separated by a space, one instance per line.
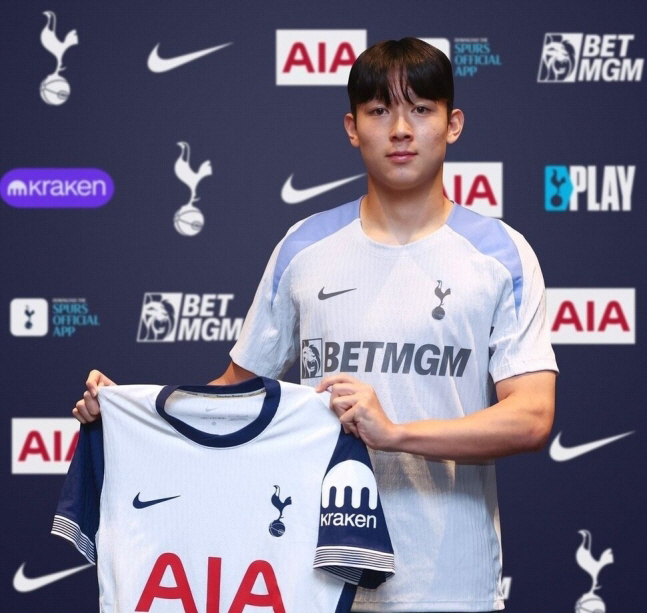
x=317 y=57
x=475 y=185
x=41 y=446
x=592 y=316
x=576 y=57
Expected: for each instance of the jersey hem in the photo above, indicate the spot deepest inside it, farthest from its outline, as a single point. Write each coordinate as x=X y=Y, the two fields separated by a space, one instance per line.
x=446 y=606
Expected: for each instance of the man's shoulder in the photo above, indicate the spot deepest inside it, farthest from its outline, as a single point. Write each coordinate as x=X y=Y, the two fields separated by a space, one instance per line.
x=323 y=223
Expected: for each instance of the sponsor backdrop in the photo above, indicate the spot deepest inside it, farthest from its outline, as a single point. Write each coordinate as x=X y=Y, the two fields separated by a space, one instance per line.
x=153 y=154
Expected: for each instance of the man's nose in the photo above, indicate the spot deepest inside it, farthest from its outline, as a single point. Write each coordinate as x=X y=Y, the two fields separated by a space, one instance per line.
x=401 y=128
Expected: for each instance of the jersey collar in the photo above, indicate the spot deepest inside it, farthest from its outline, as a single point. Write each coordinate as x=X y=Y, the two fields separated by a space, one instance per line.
x=250 y=431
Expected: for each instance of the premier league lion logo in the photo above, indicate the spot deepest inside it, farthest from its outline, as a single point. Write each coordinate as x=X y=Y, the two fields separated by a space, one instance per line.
x=558 y=59
x=157 y=320
x=310 y=360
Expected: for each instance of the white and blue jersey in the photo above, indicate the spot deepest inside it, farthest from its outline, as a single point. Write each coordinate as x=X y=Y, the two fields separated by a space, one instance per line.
x=431 y=325
x=211 y=498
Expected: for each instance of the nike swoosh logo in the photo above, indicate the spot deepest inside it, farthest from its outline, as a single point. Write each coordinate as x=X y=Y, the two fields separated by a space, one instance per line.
x=142 y=504
x=158 y=64
x=559 y=453
x=323 y=296
x=29 y=584
x=290 y=195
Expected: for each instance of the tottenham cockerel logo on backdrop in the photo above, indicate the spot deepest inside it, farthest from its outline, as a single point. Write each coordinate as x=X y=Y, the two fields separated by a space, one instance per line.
x=590 y=602
x=55 y=89
x=188 y=219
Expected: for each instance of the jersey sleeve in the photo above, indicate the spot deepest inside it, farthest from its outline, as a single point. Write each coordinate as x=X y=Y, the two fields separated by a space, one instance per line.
x=520 y=338
x=268 y=342
x=354 y=542
x=77 y=513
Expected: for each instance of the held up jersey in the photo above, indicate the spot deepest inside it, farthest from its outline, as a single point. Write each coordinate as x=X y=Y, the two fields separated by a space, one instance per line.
x=430 y=325
x=208 y=499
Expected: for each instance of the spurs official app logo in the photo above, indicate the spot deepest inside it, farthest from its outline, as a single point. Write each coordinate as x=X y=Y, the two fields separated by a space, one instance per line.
x=599 y=188
x=311 y=358
x=56 y=188
x=577 y=57
x=442 y=44
x=277 y=527
x=592 y=316
x=590 y=602
x=467 y=55
x=439 y=312
x=55 y=89
x=172 y=316
x=317 y=57
x=42 y=446
x=188 y=219
x=32 y=317
x=475 y=185
x=29 y=317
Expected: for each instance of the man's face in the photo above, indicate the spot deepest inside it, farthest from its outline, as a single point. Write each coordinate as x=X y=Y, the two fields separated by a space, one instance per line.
x=403 y=145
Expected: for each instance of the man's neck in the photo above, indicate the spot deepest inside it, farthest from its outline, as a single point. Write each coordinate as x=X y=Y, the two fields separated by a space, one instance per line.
x=398 y=218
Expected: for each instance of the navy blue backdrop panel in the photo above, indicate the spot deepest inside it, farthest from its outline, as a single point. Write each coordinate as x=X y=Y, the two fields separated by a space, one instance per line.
x=152 y=154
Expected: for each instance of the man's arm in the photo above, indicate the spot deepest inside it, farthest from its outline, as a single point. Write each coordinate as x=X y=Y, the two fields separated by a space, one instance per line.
x=520 y=421
x=88 y=410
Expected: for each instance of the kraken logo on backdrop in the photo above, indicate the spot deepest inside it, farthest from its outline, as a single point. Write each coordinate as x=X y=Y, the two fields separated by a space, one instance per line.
x=55 y=89
x=188 y=219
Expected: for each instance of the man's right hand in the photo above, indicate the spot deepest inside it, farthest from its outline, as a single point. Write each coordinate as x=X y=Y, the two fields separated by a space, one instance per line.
x=87 y=409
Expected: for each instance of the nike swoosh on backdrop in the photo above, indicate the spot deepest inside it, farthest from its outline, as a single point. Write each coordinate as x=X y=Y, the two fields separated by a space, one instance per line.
x=158 y=64
x=142 y=504
x=290 y=195
x=323 y=296
x=29 y=584
x=559 y=453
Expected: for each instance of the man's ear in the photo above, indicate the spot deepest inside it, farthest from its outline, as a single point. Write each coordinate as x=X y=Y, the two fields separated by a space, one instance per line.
x=455 y=125
x=351 y=129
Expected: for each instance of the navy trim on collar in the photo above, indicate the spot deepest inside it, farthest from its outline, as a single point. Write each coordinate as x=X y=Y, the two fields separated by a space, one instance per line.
x=244 y=435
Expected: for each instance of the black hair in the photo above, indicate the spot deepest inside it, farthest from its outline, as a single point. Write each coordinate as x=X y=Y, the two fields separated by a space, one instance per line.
x=394 y=68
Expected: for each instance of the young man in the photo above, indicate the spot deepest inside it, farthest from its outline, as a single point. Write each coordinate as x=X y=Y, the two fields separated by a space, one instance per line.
x=406 y=306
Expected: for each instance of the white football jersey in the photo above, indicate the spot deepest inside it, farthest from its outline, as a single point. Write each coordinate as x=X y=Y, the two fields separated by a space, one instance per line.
x=430 y=325
x=209 y=499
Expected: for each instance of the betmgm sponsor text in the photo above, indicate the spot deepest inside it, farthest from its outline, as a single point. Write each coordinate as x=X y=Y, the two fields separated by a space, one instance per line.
x=173 y=316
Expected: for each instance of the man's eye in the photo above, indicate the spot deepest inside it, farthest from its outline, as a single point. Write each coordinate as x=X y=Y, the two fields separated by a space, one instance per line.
x=421 y=109
x=378 y=111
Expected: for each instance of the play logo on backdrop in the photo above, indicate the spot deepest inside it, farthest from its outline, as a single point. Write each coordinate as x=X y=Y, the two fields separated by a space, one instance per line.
x=317 y=57
x=592 y=316
x=576 y=57
x=593 y=188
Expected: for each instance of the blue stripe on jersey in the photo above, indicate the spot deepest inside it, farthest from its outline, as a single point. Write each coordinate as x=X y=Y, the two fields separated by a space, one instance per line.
x=313 y=229
x=490 y=238
x=244 y=435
